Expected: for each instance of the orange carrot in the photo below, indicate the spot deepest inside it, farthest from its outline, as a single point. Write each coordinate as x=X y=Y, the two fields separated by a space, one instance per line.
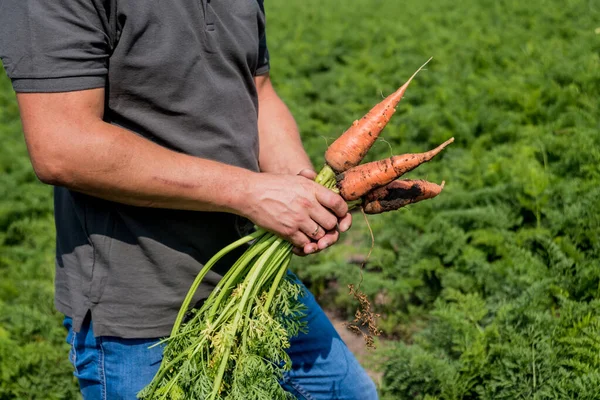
x=356 y=182
x=350 y=148
x=399 y=194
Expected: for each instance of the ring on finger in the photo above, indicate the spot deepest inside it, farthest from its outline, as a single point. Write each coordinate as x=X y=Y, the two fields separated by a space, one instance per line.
x=315 y=232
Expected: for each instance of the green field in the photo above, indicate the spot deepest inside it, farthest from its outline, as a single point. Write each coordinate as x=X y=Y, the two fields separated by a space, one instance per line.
x=491 y=290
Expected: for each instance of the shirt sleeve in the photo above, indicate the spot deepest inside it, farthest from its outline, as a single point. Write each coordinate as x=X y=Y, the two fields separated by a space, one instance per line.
x=54 y=45
x=263 y=52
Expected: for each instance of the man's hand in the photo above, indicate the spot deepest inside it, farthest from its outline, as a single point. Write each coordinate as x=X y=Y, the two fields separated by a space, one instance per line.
x=297 y=209
x=331 y=236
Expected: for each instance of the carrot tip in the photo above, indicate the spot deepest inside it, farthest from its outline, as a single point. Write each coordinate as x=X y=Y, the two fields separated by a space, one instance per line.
x=446 y=143
x=417 y=71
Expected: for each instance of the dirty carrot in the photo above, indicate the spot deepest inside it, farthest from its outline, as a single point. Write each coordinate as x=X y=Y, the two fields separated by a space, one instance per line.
x=358 y=181
x=399 y=194
x=350 y=148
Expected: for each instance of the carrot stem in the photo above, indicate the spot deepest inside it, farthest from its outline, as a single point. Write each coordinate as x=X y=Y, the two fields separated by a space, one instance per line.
x=230 y=280
x=204 y=271
x=326 y=177
x=250 y=283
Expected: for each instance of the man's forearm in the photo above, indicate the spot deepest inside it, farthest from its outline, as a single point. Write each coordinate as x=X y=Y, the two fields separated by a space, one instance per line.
x=281 y=149
x=123 y=167
x=135 y=171
x=106 y=161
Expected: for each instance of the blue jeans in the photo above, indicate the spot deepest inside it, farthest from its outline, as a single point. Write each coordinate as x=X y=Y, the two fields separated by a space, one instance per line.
x=111 y=368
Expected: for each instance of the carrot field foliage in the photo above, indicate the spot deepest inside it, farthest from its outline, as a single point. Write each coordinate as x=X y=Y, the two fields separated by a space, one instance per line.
x=489 y=291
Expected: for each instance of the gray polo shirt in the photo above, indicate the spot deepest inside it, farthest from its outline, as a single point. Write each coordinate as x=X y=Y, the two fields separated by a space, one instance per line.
x=178 y=72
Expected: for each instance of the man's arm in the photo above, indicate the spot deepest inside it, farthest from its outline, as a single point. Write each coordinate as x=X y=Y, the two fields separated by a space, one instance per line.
x=71 y=146
x=281 y=149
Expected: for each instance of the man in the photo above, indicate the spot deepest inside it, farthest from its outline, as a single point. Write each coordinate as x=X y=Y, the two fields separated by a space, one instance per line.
x=157 y=123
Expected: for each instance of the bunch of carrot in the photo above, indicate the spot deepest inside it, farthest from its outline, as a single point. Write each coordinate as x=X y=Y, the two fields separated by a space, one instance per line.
x=368 y=181
x=233 y=347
